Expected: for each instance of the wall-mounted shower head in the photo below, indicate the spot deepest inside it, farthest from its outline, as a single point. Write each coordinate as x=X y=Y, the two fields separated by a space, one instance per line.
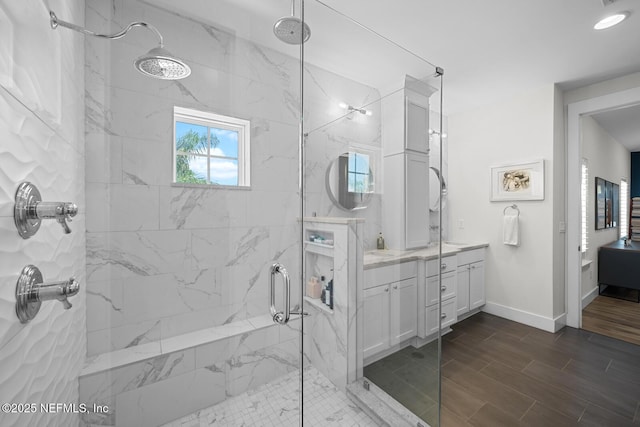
x=290 y=29
x=161 y=64
x=158 y=62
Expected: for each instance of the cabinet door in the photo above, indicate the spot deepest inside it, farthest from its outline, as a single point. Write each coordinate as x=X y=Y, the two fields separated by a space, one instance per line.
x=416 y=125
x=404 y=310
x=376 y=320
x=462 y=295
x=476 y=285
x=416 y=200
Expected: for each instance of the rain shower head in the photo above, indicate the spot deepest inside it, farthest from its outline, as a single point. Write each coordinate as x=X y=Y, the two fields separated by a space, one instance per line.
x=158 y=62
x=161 y=64
x=290 y=29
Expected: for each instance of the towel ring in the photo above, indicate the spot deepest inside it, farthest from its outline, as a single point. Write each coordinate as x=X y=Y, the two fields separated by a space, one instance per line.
x=514 y=206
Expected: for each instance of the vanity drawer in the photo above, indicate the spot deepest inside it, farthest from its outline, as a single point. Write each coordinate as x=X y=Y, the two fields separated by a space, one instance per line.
x=449 y=263
x=448 y=316
x=446 y=291
x=389 y=273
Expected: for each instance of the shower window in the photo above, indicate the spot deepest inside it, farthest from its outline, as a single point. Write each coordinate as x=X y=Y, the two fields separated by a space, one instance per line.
x=210 y=149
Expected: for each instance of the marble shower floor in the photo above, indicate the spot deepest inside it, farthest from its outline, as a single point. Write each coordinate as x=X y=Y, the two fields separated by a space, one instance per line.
x=278 y=403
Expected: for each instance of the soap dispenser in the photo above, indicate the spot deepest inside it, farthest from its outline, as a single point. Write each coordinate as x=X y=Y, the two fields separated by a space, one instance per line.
x=380 y=241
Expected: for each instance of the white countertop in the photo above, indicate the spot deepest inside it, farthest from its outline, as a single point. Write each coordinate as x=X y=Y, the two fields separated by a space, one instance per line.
x=381 y=257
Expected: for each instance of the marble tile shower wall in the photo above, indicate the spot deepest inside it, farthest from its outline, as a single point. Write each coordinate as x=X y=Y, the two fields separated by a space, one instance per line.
x=41 y=141
x=163 y=260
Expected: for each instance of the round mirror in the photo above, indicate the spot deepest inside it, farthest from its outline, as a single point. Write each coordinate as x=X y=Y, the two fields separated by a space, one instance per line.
x=349 y=181
x=437 y=188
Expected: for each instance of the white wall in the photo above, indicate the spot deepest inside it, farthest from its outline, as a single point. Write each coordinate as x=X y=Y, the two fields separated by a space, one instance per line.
x=41 y=140
x=520 y=280
x=603 y=88
x=610 y=160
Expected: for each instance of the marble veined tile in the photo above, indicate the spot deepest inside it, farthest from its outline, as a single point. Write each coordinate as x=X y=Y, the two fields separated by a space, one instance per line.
x=278 y=403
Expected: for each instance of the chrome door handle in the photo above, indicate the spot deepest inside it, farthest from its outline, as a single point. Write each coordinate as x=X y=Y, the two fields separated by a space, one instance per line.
x=279 y=316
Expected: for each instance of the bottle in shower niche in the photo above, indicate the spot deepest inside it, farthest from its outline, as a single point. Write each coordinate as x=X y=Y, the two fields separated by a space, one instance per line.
x=380 y=241
x=330 y=292
x=323 y=286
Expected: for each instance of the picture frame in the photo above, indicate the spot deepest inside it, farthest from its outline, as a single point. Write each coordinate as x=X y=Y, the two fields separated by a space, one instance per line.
x=601 y=203
x=518 y=181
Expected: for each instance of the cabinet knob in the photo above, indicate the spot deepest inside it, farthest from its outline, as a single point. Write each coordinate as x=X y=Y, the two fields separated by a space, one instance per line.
x=395 y=286
x=444 y=288
x=386 y=289
x=443 y=266
x=443 y=315
x=473 y=266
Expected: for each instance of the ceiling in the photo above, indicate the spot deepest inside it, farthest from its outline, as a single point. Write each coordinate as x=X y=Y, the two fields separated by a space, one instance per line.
x=489 y=50
x=623 y=125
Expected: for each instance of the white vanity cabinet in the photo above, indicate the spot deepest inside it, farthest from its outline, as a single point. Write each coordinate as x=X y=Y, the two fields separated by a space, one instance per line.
x=470 y=281
x=446 y=291
x=390 y=307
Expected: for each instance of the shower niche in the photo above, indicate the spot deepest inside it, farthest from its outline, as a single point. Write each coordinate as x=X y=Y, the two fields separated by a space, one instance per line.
x=332 y=338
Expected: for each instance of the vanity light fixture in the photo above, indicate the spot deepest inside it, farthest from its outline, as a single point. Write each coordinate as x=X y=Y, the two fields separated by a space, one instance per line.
x=611 y=20
x=435 y=132
x=359 y=110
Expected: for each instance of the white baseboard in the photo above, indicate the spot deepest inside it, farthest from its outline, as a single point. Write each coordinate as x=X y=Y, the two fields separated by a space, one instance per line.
x=586 y=300
x=534 y=320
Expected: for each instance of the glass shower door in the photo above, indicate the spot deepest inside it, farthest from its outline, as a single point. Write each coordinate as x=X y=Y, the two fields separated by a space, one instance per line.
x=372 y=276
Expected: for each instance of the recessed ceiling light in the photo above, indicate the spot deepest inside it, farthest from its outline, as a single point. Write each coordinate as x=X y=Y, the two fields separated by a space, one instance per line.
x=611 y=20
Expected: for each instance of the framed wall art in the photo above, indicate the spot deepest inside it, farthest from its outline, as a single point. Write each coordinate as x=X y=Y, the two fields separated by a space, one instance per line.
x=521 y=181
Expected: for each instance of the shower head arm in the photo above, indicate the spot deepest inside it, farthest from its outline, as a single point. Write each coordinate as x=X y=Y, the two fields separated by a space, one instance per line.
x=55 y=22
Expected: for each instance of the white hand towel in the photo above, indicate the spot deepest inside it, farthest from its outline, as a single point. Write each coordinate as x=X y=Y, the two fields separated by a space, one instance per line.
x=510 y=235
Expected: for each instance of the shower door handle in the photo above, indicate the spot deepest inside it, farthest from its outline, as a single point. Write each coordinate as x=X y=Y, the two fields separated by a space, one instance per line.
x=279 y=316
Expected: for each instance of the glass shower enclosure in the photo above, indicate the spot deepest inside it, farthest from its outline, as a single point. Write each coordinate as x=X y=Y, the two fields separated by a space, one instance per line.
x=254 y=242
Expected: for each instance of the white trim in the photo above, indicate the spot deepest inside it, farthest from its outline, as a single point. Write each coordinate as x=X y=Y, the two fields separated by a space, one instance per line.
x=574 y=259
x=534 y=320
x=588 y=298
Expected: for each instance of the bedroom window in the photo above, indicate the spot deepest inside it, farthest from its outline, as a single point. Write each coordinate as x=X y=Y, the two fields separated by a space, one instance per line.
x=584 y=187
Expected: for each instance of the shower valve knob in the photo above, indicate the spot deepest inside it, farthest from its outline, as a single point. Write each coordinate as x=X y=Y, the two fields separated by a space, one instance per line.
x=30 y=210
x=31 y=292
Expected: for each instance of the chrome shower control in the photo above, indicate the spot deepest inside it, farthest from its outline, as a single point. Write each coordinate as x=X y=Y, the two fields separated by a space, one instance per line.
x=30 y=292
x=30 y=210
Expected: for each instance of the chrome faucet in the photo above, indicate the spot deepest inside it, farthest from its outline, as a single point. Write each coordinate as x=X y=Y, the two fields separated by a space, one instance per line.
x=30 y=210
x=31 y=292
x=57 y=290
x=60 y=211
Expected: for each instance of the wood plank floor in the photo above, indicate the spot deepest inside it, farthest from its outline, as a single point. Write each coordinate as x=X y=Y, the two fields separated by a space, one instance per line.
x=500 y=373
x=614 y=318
x=522 y=376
